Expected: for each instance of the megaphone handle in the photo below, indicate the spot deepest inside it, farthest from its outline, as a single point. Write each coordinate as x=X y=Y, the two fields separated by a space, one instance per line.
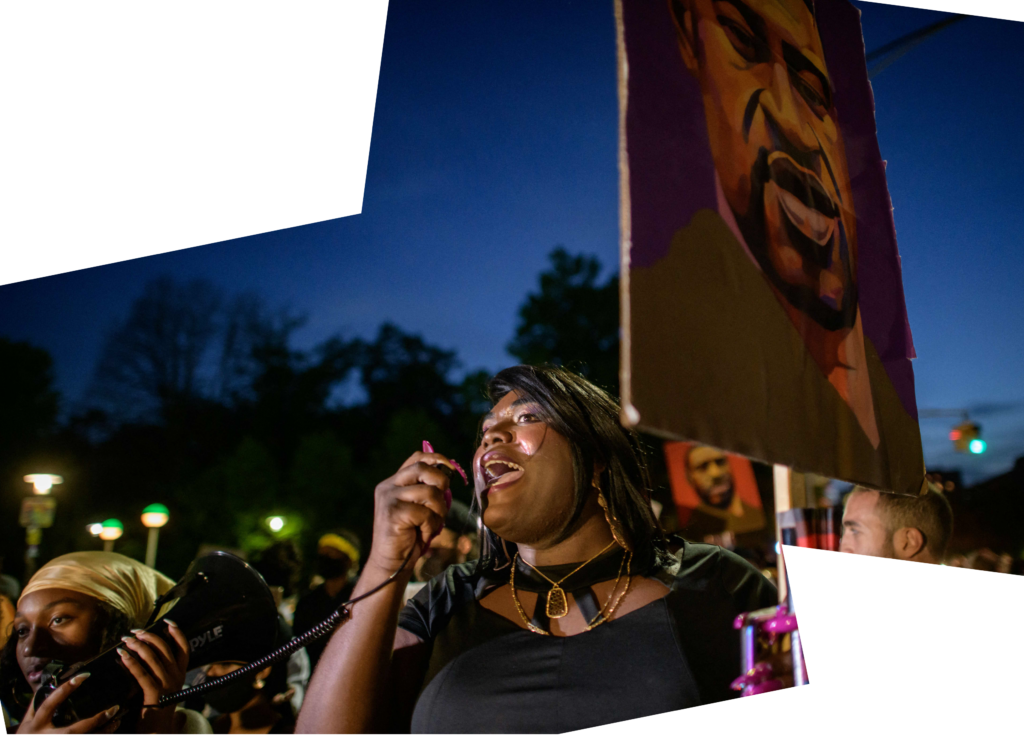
x=320 y=630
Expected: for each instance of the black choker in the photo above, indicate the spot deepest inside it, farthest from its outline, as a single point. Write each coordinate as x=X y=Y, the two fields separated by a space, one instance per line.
x=604 y=568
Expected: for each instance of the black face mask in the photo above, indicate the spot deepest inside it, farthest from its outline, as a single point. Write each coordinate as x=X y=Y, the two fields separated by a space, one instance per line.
x=331 y=567
x=234 y=696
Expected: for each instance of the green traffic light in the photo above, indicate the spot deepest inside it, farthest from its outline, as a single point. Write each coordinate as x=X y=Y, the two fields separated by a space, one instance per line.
x=977 y=446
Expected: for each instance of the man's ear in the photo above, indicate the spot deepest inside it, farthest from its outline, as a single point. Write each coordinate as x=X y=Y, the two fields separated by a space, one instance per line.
x=686 y=31
x=908 y=542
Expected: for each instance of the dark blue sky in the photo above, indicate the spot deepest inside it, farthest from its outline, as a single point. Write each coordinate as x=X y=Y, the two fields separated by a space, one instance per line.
x=494 y=140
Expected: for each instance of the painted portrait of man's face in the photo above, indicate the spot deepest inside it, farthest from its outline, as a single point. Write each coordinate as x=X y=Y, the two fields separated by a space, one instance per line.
x=709 y=473
x=776 y=146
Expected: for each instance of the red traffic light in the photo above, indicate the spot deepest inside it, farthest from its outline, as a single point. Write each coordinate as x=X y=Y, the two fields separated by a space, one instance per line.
x=966 y=437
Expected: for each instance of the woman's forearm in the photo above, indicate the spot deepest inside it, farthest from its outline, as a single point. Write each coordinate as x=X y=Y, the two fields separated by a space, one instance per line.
x=347 y=686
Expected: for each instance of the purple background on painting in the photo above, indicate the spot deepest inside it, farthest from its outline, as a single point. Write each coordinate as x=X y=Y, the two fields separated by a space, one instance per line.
x=666 y=190
x=882 y=305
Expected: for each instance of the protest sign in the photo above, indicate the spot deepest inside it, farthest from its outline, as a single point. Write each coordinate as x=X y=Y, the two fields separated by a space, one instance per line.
x=763 y=307
x=715 y=493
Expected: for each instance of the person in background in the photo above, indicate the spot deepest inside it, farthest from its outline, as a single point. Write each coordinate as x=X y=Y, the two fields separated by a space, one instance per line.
x=280 y=564
x=9 y=592
x=255 y=703
x=899 y=527
x=456 y=543
x=338 y=563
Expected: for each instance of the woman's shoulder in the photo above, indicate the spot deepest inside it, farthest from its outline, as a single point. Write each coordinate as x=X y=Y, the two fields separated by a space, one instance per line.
x=714 y=569
x=427 y=612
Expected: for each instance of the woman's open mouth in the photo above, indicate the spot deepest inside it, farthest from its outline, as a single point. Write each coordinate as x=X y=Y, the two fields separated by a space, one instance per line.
x=500 y=472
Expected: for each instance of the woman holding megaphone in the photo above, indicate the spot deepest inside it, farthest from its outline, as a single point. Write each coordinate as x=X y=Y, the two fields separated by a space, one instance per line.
x=75 y=607
x=579 y=611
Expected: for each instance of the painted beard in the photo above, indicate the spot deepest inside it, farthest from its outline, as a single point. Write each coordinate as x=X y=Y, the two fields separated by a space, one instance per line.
x=724 y=503
x=755 y=231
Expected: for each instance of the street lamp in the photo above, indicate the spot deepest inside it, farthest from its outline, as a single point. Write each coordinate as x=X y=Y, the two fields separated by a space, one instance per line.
x=154 y=516
x=95 y=529
x=276 y=523
x=112 y=529
x=37 y=514
x=43 y=482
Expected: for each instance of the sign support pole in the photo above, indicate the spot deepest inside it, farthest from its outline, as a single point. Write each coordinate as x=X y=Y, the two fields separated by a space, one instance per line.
x=782 y=475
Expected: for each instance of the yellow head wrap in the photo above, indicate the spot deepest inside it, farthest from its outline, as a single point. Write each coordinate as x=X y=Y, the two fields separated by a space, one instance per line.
x=119 y=581
x=341 y=544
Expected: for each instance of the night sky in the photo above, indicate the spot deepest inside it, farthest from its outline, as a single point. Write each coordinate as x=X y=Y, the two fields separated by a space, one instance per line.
x=495 y=139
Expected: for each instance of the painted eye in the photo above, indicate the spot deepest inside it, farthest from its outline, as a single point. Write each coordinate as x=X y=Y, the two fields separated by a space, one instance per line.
x=811 y=90
x=740 y=37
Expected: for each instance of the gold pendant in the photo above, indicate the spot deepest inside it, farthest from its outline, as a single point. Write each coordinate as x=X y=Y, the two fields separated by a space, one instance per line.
x=557 y=606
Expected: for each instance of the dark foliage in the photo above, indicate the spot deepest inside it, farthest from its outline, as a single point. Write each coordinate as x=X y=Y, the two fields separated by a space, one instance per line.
x=573 y=321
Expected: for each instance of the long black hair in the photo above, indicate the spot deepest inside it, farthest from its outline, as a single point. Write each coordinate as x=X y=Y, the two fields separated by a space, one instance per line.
x=589 y=419
x=15 y=691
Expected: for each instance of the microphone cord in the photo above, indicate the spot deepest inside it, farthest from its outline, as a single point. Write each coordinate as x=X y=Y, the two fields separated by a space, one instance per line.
x=319 y=631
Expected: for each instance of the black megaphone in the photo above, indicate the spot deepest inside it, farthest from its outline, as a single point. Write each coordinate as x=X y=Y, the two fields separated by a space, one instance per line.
x=223 y=607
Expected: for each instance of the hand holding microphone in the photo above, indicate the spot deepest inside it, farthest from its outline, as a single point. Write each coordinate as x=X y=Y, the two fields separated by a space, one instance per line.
x=409 y=509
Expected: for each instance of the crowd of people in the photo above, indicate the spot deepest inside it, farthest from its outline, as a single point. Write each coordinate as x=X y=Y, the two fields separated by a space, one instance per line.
x=557 y=602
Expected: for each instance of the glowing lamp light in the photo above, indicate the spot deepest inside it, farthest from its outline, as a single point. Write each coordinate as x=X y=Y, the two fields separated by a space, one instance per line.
x=95 y=529
x=954 y=435
x=276 y=523
x=977 y=446
x=111 y=529
x=43 y=482
x=155 y=515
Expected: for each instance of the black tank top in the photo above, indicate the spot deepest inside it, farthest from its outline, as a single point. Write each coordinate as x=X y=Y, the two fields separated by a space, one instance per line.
x=486 y=674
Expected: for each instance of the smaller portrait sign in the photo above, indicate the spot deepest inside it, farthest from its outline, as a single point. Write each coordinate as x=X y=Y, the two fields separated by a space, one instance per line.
x=715 y=492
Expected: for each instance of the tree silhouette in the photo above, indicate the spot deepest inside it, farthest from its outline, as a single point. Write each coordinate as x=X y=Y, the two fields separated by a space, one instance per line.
x=28 y=402
x=573 y=320
x=156 y=357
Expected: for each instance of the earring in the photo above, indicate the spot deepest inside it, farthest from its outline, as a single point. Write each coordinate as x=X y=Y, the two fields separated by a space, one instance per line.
x=259 y=684
x=618 y=533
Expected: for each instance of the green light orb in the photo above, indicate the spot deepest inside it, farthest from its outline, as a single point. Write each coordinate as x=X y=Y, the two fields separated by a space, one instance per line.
x=977 y=446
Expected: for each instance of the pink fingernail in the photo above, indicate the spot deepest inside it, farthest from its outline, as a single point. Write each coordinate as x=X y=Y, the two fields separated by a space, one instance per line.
x=448 y=498
x=465 y=478
x=427 y=447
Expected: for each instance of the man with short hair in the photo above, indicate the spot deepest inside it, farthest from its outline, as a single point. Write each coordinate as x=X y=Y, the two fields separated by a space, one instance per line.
x=898 y=527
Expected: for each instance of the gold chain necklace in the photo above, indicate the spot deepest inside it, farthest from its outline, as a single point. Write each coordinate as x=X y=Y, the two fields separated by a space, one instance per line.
x=607 y=610
x=557 y=603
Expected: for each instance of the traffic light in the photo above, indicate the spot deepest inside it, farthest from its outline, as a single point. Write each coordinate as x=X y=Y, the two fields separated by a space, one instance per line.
x=966 y=437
